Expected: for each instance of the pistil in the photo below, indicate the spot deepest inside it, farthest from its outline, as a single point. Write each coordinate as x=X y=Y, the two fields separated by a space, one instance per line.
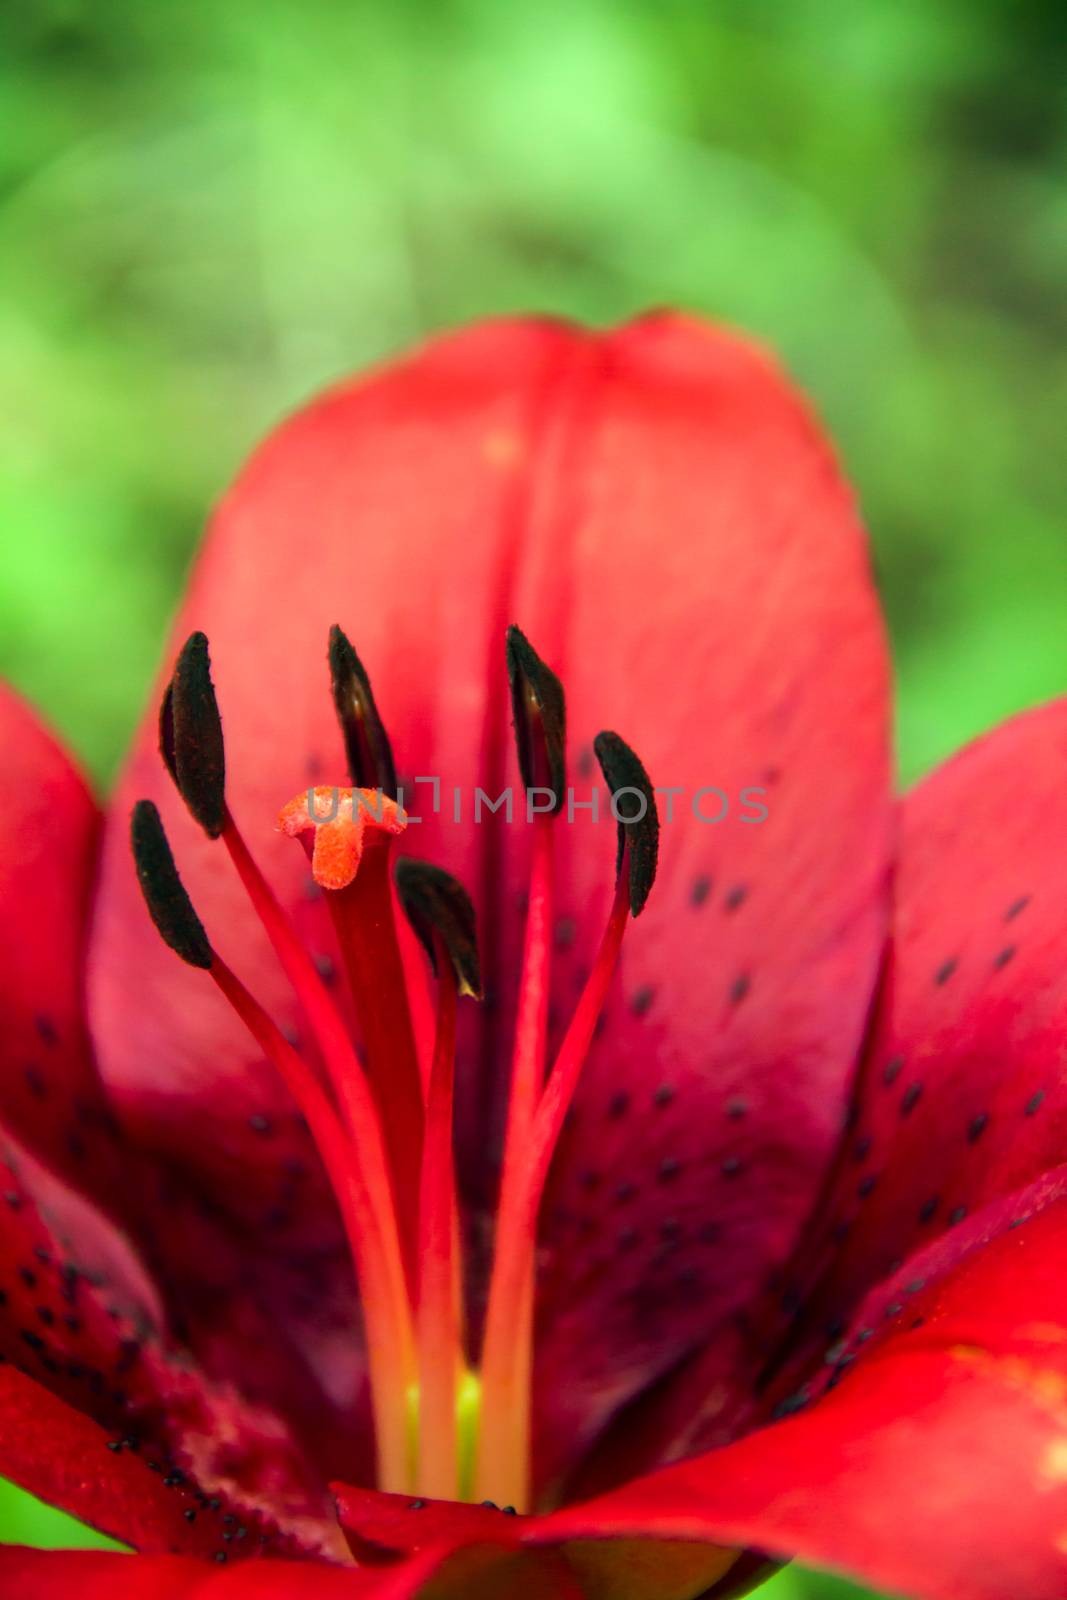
x=441 y=913
x=362 y=914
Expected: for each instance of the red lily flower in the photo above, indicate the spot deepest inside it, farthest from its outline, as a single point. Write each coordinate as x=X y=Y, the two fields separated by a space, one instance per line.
x=287 y=1213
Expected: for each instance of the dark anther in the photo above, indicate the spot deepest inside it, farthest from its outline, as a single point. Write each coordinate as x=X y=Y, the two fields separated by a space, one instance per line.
x=168 y=904
x=367 y=747
x=190 y=736
x=440 y=911
x=539 y=715
x=634 y=808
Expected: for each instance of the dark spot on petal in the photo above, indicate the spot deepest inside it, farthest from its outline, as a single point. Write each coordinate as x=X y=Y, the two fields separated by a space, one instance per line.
x=669 y=1169
x=46 y=1029
x=1002 y=957
x=1033 y=1105
x=625 y=1191
x=1015 y=907
x=35 y=1082
x=699 y=890
x=945 y=970
x=978 y=1127
x=892 y=1070
x=740 y=988
x=736 y=897
x=663 y=1095
x=642 y=1000
x=259 y=1123
x=910 y=1098
x=564 y=933
x=731 y=1167
x=957 y=1216
x=324 y=966
x=928 y=1207
x=736 y=1109
x=618 y=1105
x=862 y=1148
x=866 y=1185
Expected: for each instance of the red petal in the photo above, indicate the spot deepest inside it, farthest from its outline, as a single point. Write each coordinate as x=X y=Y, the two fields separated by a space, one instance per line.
x=719 y=614
x=78 y=1314
x=657 y=510
x=62 y=1456
x=380 y=1527
x=938 y=1468
x=93 y=1575
x=963 y=1096
x=49 y=1092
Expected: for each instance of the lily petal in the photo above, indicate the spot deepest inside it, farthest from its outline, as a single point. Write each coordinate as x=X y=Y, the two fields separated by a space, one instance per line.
x=62 y=1456
x=380 y=1527
x=963 y=1095
x=50 y=1095
x=938 y=1468
x=583 y=485
x=94 y=1575
x=79 y=1315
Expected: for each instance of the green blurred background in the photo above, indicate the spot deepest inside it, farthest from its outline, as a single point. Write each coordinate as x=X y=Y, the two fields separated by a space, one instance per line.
x=208 y=210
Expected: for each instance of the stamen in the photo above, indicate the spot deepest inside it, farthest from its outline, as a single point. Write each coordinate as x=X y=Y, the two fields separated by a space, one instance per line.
x=387 y=1142
x=367 y=747
x=351 y=830
x=190 y=735
x=539 y=716
x=191 y=742
x=504 y=1444
x=369 y=1227
x=539 y=712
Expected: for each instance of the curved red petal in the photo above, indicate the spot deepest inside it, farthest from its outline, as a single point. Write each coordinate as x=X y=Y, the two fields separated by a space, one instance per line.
x=721 y=573
x=62 y=1456
x=50 y=1093
x=658 y=511
x=94 y=1575
x=78 y=1314
x=962 y=1096
x=381 y=1527
x=937 y=1468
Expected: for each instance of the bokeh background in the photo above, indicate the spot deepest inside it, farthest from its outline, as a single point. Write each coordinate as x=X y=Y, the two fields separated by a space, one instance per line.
x=207 y=210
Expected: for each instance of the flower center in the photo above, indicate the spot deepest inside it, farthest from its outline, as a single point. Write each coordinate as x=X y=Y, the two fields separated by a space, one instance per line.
x=383 y=1120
